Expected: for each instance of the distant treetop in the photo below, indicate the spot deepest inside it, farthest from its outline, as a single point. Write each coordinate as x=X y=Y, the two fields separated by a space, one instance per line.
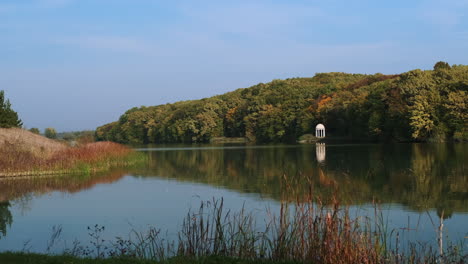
x=441 y=65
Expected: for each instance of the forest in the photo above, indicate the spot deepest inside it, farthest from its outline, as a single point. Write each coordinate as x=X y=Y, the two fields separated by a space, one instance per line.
x=416 y=106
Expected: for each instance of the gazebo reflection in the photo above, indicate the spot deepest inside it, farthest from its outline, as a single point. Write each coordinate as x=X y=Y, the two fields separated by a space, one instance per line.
x=320 y=152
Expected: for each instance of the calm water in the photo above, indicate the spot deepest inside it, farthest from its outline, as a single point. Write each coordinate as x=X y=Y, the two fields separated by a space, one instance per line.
x=415 y=184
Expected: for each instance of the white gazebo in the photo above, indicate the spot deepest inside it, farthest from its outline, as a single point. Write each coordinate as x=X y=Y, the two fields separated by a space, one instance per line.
x=320 y=131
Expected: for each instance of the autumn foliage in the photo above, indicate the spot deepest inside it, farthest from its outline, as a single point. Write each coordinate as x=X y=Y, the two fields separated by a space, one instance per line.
x=16 y=160
x=419 y=105
x=91 y=152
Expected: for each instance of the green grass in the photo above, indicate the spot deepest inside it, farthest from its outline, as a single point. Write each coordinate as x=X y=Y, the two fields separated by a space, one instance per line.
x=30 y=258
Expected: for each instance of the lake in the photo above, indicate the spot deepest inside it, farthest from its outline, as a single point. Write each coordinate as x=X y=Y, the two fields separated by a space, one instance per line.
x=414 y=186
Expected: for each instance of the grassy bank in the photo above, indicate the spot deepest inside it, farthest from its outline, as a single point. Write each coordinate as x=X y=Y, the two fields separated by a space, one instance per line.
x=23 y=153
x=23 y=258
x=305 y=231
x=28 y=258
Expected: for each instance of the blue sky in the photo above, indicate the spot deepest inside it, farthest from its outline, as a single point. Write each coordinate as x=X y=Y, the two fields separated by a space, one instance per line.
x=77 y=64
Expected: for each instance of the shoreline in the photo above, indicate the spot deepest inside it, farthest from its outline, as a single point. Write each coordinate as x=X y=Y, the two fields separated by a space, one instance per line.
x=23 y=153
x=298 y=232
x=130 y=159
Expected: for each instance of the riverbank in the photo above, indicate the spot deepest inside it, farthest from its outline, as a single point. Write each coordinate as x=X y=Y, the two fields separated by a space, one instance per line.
x=23 y=153
x=29 y=258
x=308 y=230
x=236 y=140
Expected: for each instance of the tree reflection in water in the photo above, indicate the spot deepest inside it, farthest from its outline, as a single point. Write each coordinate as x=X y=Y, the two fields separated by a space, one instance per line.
x=420 y=176
x=6 y=219
x=22 y=189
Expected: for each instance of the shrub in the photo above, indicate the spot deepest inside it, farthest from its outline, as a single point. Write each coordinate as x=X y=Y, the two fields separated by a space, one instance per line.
x=50 y=133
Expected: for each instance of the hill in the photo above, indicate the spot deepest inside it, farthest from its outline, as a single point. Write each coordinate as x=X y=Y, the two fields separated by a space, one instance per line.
x=413 y=106
x=23 y=153
x=29 y=142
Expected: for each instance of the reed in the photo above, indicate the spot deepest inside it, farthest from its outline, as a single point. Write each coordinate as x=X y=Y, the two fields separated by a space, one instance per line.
x=87 y=159
x=305 y=231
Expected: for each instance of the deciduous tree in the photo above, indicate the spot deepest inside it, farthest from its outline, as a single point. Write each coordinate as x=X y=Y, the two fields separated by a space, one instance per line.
x=50 y=133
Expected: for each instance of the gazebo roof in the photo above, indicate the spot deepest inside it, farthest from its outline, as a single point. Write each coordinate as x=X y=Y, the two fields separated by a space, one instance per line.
x=320 y=126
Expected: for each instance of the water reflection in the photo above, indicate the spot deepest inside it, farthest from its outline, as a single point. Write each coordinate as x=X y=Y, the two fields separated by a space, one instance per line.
x=320 y=152
x=21 y=191
x=22 y=188
x=420 y=176
x=6 y=218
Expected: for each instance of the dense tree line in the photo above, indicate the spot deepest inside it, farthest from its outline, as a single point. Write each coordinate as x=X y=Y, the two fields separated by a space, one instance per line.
x=413 y=106
x=77 y=135
x=8 y=117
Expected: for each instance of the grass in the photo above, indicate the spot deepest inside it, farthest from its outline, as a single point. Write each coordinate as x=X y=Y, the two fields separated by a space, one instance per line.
x=28 y=258
x=26 y=141
x=22 y=153
x=305 y=231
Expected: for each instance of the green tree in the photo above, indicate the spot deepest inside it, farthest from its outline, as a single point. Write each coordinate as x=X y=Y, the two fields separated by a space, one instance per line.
x=457 y=114
x=421 y=119
x=50 y=133
x=417 y=105
x=441 y=65
x=8 y=117
x=35 y=130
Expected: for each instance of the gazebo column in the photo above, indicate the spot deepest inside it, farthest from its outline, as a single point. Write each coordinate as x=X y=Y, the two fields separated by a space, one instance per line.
x=320 y=131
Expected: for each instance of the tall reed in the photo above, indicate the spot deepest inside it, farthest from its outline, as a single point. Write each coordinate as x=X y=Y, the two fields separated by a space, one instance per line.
x=308 y=231
x=86 y=158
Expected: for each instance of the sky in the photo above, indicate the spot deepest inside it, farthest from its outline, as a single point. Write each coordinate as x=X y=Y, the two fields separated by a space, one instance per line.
x=78 y=64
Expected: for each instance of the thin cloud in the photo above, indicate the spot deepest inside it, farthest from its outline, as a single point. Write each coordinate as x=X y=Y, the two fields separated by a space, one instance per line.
x=447 y=13
x=109 y=43
x=55 y=3
x=255 y=19
x=463 y=35
x=7 y=8
x=442 y=17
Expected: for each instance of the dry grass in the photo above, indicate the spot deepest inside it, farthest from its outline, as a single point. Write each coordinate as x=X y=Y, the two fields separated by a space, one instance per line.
x=24 y=153
x=301 y=232
x=306 y=232
x=25 y=141
x=306 y=229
